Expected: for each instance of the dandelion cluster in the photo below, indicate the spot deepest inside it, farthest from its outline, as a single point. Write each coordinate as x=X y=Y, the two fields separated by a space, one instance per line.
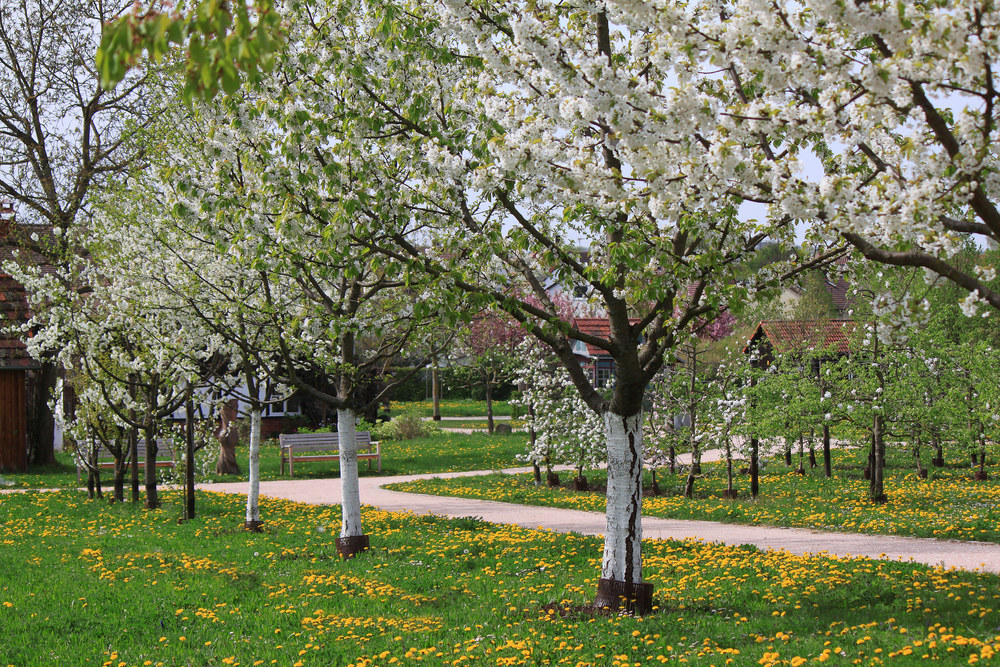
x=446 y=592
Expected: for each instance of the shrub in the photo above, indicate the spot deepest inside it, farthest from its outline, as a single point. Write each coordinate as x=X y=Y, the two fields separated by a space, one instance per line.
x=403 y=427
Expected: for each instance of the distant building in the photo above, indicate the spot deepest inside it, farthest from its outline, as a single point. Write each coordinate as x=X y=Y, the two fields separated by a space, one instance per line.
x=597 y=362
x=17 y=369
x=797 y=338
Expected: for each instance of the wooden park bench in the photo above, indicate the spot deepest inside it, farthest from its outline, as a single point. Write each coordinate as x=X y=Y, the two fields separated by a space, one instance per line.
x=307 y=447
x=106 y=460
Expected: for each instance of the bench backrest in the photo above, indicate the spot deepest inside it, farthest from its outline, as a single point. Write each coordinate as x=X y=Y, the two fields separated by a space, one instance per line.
x=164 y=448
x=320 y=440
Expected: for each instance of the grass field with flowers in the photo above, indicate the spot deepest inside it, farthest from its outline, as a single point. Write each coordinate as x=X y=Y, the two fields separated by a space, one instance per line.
x=478 y=424
x=949 y=504
x=446 y=452
x=92 y=583
x=449 y=408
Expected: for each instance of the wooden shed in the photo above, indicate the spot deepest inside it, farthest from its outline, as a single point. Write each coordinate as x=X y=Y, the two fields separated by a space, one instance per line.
x=15 y=364
x=14 y=367
x=774 y=338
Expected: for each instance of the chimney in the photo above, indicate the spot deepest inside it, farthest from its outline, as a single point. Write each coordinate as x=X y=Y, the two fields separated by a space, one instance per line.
x=6 y=218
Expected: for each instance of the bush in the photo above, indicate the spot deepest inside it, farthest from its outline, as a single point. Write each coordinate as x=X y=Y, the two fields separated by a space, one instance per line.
x=406 y=426
x=403 y=427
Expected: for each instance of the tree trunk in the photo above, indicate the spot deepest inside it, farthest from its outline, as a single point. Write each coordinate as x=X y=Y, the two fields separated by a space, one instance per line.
x=729 y=470
x=532 y=440
x=938 y=460
x=621 y=584
x=876 y=489
x=689 y=485
x=754 y=446
x=921 y=472
x=253 y=521
x=152 y=496
x=695 y=447
x=435 y=389
x=352 y=538
x=827 y=458
x=695 y=468
x=189 y=460
x=489 y=407
x=981 y=475
x=133 y=443
x=228 y=437
x=41 y=421
x=119 y=482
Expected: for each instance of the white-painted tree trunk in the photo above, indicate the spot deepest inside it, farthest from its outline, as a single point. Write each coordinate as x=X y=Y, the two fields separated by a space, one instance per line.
x=350 y=501
x=253 y=493
x=623 y=535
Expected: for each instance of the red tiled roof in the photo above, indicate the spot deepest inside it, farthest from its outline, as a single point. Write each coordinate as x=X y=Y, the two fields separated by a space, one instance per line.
x=14 y=311
x=13 y=237
x=839 y=293
x=596 y=326
x=805 y=335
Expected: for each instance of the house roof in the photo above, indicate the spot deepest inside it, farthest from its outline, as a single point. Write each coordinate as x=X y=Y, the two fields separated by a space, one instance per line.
x=840 y=294
x=14 y=311
x=797 y=336
x=15 y=240
x=594 y=326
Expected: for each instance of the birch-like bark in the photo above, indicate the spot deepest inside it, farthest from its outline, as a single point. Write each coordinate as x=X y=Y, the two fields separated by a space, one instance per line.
x=253 y=491
x=623 y=535
x=350 y=501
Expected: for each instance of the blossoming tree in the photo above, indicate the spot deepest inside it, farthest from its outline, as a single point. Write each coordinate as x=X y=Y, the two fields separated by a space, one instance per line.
x=61 y=136
x=287 y=298
x=873 y=122
x=563 y=428
x=479 y=144
x=488 y=347
x=491 y=136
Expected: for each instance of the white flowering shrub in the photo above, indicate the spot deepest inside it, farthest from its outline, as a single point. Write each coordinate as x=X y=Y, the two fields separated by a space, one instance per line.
x=566 y=430
x=206 y=449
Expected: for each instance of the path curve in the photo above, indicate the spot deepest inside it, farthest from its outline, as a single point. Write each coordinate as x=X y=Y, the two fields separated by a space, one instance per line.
x=977 y=556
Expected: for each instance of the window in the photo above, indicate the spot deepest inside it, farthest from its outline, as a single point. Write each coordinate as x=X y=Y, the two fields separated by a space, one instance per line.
x=603 y=373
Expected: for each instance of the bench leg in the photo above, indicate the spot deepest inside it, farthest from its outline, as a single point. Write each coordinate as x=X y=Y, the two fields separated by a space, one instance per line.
x=282 y=464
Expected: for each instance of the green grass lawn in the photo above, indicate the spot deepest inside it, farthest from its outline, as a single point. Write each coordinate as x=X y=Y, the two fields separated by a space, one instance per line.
x=449 y=408
x=479 y=424
x=115 y=585
x=446 y=452
x=949 y=504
